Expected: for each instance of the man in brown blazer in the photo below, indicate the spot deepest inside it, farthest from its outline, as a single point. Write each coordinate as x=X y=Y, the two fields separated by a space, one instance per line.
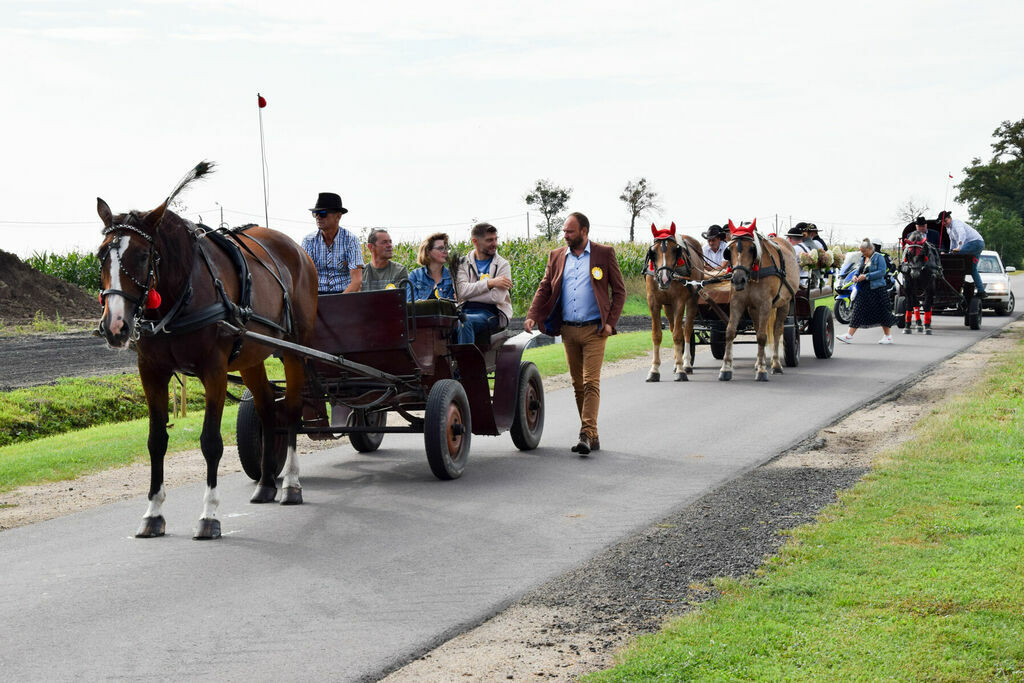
x=581 y=298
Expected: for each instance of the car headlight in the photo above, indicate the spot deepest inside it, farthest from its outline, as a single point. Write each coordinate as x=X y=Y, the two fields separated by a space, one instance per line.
x=997 y=287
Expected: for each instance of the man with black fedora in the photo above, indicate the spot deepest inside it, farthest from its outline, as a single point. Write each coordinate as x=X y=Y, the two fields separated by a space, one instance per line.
x=796 y=238
x=714 y=251
x=335 y=251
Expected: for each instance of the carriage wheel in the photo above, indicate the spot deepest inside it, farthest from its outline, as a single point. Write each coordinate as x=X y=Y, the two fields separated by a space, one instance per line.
x=693 y=347
x=823 y=332
x=717 y=339
x=528 y=423
x=973 y=318
x=249 y=436
x=447 y=429
x=900 y=310
x=841 y=308
x=791 y=343
x=367 y=442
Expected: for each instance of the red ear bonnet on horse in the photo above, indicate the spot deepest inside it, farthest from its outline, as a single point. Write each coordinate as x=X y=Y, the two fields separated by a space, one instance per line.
x=672 y=229
x=662 y=234
x=742 y=229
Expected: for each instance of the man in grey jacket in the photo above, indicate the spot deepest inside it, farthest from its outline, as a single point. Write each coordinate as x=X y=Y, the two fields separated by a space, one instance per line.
x=483 y=281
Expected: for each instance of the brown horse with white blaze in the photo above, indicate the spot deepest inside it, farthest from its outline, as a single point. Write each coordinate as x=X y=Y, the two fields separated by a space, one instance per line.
x=765 y=276
x=167 y=283
x=670 y=262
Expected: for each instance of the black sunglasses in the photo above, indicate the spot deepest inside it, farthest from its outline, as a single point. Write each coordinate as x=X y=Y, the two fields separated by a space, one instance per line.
x=320 y=213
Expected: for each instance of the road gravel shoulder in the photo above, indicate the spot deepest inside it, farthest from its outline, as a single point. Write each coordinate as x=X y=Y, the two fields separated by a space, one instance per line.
x=576 y=623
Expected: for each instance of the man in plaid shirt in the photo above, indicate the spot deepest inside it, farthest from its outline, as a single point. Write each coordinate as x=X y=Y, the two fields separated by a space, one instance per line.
x=335 y=251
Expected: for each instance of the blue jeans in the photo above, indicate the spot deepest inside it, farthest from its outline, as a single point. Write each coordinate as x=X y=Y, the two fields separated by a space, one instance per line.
x=477 y=320
x=973 y=248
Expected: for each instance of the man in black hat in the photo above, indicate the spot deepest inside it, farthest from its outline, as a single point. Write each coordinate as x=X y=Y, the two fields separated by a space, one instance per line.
x=796 y=238
x=921 y=226
x=714 y=251
x=335 y=251
x=811 y=235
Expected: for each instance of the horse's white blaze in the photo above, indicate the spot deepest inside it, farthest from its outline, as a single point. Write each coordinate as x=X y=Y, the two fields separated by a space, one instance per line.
x=211 y=500
x=291 y=470
x=156 y=504
x=115 y=302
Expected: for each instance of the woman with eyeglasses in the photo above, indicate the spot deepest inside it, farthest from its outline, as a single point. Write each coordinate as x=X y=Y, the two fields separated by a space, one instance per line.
x=433 y=280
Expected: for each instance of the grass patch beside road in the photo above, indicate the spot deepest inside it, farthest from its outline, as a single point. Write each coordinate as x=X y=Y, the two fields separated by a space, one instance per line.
x=915 y=574
x=70 y=404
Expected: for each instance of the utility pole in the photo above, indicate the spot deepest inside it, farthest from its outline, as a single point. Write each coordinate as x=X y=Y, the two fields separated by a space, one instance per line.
x=527 y=225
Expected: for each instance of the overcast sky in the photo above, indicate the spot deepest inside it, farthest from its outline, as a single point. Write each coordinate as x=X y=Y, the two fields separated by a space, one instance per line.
x=426 y=114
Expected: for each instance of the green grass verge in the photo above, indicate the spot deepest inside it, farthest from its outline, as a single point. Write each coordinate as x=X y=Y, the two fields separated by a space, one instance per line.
x=74 y=453
x=915 y=574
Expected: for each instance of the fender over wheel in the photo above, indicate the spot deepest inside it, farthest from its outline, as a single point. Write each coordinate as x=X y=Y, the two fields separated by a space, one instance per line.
x=249 y=436
x=823 y=332
x=528 y=423
x=447 y=429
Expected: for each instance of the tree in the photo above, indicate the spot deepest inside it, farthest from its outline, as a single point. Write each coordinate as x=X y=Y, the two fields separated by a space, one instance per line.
x=550 y=200
x=639 y=199
x=909 y=210
x=994 y=192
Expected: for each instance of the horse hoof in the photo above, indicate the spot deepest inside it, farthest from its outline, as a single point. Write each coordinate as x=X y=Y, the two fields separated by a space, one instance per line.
x=762 y=377
x=725 y=376
x=777 y=371
x=654 y=377
x=151 y=527
x=681 y=377
x=928 y=331
x=292 y=495
x=689 y=371
x=907 y=330
x=208 y=529
x=263 y=494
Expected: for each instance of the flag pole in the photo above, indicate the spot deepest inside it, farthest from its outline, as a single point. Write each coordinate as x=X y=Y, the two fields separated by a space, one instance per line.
x=260 y=103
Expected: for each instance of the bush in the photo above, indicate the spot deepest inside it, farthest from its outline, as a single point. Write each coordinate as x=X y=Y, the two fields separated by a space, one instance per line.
x=78 y=269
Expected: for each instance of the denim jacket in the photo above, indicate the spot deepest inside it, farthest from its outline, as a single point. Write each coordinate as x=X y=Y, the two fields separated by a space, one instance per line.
x=876 y=270
x=423 y=284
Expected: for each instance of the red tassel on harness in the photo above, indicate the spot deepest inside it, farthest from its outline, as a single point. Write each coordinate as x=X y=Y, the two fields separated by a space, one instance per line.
x=756 y=268
x=153 y=299
x=680 y=261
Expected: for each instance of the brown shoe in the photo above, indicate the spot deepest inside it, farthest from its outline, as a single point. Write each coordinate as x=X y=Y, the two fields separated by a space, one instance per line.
x=595 y=444
x=583 y=447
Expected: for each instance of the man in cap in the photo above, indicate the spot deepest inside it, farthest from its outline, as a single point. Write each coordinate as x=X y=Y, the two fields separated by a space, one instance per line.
x=335 y=251
x=714 y=250
x=963 y=239
x=381 y=272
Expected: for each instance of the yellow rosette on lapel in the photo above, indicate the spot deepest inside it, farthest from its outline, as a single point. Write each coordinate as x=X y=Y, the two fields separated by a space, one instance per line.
x=597 y=272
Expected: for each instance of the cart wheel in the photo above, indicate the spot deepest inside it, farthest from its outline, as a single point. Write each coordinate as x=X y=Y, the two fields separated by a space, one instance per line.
x=791 y=344
x=973 y=318
x=447 y=429
x=367 y=442
x=841 y=308
x=693 y=347
x=528 y=423
x=717 y=339
x=823 y=332
x=900 y=311
x=249 y=436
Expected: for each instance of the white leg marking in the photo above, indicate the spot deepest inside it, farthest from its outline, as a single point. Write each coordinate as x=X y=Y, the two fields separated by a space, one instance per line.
x=291 y=470
x=155 y=505
x=211 y=500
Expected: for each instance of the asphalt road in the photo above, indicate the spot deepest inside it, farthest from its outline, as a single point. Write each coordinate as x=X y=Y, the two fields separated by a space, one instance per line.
x=383 y=561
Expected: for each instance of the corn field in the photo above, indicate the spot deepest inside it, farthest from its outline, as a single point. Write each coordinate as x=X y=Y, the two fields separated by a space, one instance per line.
x=78 y=269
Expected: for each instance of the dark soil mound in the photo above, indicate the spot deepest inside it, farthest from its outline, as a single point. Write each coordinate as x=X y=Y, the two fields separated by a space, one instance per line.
x=24 y=291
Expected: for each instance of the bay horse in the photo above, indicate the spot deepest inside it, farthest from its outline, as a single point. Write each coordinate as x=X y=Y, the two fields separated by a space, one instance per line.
x=765 y=277
x=167 y=283
x=921 y=266
x=670 y=262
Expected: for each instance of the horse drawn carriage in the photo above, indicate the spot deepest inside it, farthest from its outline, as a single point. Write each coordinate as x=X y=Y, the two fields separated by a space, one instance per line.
x=375 y=354
x=939 y=287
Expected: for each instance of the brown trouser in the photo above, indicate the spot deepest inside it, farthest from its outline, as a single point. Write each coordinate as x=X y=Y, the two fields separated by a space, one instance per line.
x=584 y=351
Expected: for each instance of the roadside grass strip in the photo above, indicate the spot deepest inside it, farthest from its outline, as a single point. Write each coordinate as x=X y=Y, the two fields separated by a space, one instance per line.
x=73 y=449
x=916 y=573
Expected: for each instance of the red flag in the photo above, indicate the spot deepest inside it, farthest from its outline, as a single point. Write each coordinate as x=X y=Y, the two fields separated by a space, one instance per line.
x=263 y=102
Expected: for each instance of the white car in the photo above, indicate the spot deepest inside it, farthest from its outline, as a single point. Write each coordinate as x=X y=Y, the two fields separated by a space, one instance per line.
x=998 y=295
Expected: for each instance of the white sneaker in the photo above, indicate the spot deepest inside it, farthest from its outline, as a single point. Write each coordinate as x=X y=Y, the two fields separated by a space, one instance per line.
x=845 y=338
x=887 y=339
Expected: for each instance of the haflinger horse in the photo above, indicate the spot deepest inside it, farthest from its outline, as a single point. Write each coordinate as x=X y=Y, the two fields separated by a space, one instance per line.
x=765 y=276
x=921 y=266
x=167 y=283
x=671 y=261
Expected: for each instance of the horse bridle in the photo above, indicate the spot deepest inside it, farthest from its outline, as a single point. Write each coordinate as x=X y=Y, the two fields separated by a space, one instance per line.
x=677 y=272
x=152 y=260
x=755 y=265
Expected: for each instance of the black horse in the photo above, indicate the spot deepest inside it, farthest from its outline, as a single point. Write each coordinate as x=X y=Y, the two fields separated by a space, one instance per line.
x=921 y=268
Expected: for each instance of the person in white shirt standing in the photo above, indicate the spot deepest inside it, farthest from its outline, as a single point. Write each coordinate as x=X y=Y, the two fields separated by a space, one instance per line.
x=963 y=239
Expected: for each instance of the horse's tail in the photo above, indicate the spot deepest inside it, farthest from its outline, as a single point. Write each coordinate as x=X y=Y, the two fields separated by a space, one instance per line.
x=771 y=327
